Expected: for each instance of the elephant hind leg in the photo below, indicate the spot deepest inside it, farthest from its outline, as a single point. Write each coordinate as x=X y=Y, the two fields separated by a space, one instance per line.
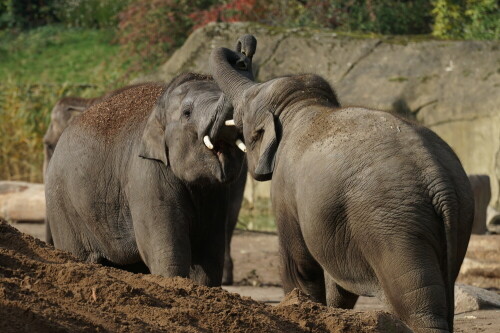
x=299 y=269
x=417 y=293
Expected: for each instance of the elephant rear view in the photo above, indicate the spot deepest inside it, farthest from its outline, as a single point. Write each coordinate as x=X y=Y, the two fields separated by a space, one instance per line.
x=366 y=203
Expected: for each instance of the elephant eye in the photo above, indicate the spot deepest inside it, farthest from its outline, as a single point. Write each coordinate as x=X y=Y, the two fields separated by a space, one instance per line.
x=186 y=113
x=257 y=135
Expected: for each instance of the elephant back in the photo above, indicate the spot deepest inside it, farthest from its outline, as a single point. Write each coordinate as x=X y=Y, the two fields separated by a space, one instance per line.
x=121 y=111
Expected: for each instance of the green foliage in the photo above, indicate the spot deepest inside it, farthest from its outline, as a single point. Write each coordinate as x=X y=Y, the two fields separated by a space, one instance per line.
x=256 y=216
x=152 y=29
x=79 y=62
x=89 y=13
x=383 y=16
x=26 y=13
x=24 y=116
x=72 y=13
x=466 y=19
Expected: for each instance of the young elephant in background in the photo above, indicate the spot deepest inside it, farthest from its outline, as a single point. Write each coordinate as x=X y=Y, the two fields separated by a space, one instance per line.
x=169 y=207
x=366 y=203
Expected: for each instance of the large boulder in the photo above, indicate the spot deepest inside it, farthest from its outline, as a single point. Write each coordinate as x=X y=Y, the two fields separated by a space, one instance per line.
x=469 y=298
x=453 y=87
x=493 y=220
x=481 y=188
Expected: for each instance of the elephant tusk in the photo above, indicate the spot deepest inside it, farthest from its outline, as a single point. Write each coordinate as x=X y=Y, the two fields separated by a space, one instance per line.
x=241 y=145
x=207 y=142
x=230 y=122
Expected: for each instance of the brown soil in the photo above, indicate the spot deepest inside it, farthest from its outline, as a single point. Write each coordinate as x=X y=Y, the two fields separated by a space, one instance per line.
x=46 y=290
x=118 y=112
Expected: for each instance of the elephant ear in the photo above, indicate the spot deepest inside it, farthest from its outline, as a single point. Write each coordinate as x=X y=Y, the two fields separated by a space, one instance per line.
x=268 y=148
x=153 y=144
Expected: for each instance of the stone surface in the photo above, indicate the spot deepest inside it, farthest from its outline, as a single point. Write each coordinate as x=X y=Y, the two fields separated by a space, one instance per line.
x=493 y=220
x=453 y=87
x=481 y=188
x=469 y=298
x=21 y=201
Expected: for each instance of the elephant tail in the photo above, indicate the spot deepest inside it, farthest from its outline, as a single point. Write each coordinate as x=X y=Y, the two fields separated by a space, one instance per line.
x=447 y=208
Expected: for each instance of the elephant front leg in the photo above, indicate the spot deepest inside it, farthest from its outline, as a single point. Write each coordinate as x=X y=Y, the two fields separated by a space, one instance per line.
x=162 y=237
x=208 y=256
x=338 y=297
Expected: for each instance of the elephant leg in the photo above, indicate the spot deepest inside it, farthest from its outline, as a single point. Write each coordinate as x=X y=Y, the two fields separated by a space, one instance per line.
x=162 y=237
x=208 y=255
x=48 y=233
x=227 y=275
x=298 y=268
x=207 y=267
x=415 y=289
x=338 y=297
x=236 y=191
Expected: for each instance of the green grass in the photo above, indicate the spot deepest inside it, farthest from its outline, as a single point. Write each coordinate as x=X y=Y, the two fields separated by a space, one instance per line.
x=37 y=68
x=56 y=54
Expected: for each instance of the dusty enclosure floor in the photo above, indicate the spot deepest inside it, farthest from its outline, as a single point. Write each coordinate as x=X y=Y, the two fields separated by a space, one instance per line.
x=43 y=290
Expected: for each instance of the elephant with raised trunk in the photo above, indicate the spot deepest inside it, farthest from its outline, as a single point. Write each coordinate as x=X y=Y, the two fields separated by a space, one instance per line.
x=143 y=176
x=366 y=203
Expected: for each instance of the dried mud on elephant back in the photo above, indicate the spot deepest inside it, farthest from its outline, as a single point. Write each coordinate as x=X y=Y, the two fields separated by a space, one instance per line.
x=47 y=290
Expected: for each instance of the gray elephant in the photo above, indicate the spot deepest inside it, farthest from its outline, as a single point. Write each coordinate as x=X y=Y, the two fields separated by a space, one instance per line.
x=144 y=177
x=366 y=203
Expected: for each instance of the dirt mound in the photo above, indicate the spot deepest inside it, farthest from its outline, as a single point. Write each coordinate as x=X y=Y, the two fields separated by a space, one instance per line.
x=299 y=308
x=46 y=290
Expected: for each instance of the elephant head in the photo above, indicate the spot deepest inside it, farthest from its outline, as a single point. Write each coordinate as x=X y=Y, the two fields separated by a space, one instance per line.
x=260 y=108
x=186 y=128
x=66 y=111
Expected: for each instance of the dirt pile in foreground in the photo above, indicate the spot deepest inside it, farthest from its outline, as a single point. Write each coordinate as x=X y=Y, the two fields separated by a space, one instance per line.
x=46 y=290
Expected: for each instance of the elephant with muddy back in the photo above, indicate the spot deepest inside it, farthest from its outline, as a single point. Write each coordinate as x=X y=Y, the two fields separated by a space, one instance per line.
x=366 y=203
x=145 y=177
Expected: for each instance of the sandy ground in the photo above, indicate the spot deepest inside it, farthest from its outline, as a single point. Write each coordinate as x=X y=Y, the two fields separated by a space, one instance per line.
x=256 y=274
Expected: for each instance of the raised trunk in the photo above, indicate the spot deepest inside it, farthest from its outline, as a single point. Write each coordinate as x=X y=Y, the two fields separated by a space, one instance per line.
x=231 y=81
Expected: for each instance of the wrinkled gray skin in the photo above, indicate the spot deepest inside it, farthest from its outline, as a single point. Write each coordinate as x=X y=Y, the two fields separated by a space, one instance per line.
x=168 y=209
x=366 y=203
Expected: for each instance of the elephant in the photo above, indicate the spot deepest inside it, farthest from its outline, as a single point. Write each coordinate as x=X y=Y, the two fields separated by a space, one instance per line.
x=143 y=176
x=366 y=202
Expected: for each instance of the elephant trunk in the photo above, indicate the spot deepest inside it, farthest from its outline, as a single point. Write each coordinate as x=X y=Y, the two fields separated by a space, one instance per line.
x=236 y=65
x=231 y=81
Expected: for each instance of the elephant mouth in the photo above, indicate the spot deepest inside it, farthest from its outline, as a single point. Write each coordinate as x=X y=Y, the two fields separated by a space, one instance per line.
x=226 y=154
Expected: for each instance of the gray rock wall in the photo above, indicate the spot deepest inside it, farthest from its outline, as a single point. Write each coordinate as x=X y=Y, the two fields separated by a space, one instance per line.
x=453 y=87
